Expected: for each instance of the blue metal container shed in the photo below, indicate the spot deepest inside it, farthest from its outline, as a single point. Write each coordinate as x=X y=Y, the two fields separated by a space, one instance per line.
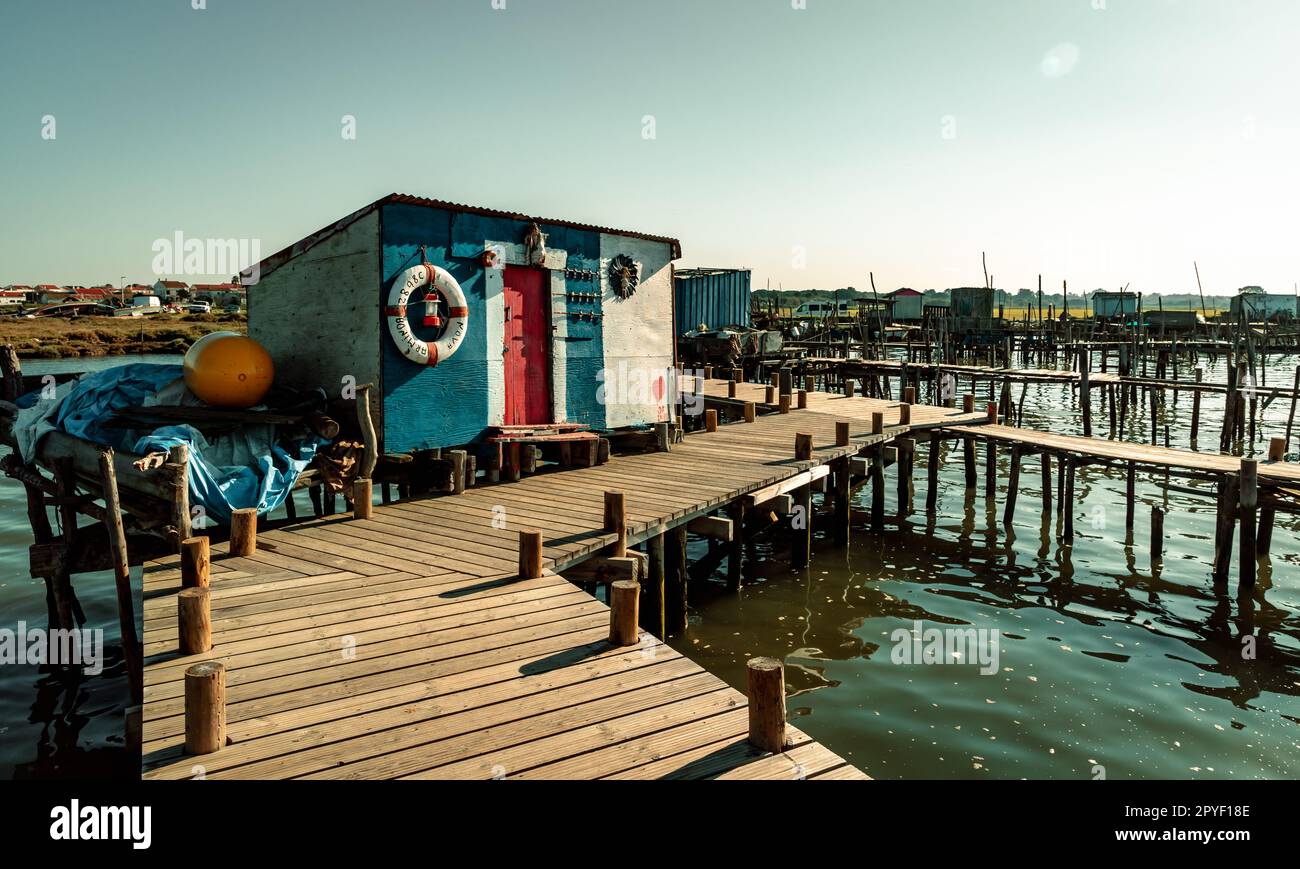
x=715 y=298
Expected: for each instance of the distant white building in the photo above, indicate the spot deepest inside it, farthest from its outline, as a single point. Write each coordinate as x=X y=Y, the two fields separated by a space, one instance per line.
x=12 y=298
x=169 y=291
x=906 y=304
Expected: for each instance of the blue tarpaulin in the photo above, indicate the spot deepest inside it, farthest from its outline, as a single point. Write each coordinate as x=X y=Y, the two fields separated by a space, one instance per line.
x=246 y=468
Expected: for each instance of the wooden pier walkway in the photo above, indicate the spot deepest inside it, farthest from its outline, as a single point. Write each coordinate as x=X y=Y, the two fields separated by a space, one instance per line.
x=406 y=645
x=1145 y=455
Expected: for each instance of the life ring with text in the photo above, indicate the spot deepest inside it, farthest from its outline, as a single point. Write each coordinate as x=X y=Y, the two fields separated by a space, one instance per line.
x=442 y=288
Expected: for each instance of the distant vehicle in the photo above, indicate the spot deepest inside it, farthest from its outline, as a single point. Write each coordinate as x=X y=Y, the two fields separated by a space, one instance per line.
x=140 y=305
x=233 y=309
x=198 y=308
x=821 y=309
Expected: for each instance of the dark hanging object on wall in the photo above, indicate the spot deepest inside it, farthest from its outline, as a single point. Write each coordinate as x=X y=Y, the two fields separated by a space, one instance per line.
x=535 y=243
x=623 y=276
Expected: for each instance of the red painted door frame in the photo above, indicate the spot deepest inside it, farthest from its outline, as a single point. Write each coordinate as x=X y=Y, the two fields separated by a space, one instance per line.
x=527 y=353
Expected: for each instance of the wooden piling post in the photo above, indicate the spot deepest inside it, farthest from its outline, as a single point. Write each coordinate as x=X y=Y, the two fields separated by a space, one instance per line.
x=990 y=468
x=1225 y=526
x=663 y=437
x=1013 y=486
x=1290 y=420
x=710 y=420
x=243 y=532
x=1196 y=408
x=736 y=555
x=362 y=498
x=906 y=458
x=843 y=499
x=765 y=683
x=802 y=397
x=1130 y=494
x=625 y=599
x=750 y=411
x=731 y=389
x=802 y=447
x=514 y=463
x=968 y=403
x=1157 y=535
x=769 y=395
x=932 y=458
x=968 y=458
x=205 y=707
x=1276 y=450
x=1085 y=392
x=193 y=620
x=652 y=614
x=178 y=463
x=878 y=488
x=676 y=579
x=196 y=560
x=122 y=578
x=530 y=554
x=905 y=414
x=784 y=403
x=458 y=462
x=1067 y=501
x=1249 y=501
x=801 y=537
x=1046 y=458
x=616 y=522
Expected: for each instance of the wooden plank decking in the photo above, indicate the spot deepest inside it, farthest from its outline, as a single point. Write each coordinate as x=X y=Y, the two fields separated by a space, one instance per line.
x=406 y=646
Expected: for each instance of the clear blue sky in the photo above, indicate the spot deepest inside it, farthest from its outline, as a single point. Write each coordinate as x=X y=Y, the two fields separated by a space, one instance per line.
x=1104 y=146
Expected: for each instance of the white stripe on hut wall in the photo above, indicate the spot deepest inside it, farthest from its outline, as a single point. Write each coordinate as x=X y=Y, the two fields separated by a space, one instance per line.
x=637 y=332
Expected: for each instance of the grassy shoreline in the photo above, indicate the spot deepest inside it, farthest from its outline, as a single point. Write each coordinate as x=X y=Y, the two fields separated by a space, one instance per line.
x=59 y=338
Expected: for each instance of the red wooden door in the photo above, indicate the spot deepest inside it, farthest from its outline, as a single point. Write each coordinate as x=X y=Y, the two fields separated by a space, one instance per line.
x=528 y=347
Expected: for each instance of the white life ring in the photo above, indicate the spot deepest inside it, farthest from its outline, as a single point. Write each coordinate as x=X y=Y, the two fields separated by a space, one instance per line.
x=439 y=281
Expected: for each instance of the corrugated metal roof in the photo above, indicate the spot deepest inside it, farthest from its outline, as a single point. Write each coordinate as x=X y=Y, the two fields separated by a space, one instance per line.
x=275 y=260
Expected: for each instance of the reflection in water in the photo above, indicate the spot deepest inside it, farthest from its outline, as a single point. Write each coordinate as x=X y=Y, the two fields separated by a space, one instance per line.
x=1110 y=665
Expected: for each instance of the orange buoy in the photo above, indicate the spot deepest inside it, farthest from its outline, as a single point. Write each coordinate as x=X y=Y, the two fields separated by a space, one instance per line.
x=228 y=370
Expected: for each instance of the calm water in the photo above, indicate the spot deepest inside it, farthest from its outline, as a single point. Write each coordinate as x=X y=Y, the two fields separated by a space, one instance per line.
x=54 y=724
x=1105 y=667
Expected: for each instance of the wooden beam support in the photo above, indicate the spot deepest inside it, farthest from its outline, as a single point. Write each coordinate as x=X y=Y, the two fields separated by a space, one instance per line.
x=713 y=527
